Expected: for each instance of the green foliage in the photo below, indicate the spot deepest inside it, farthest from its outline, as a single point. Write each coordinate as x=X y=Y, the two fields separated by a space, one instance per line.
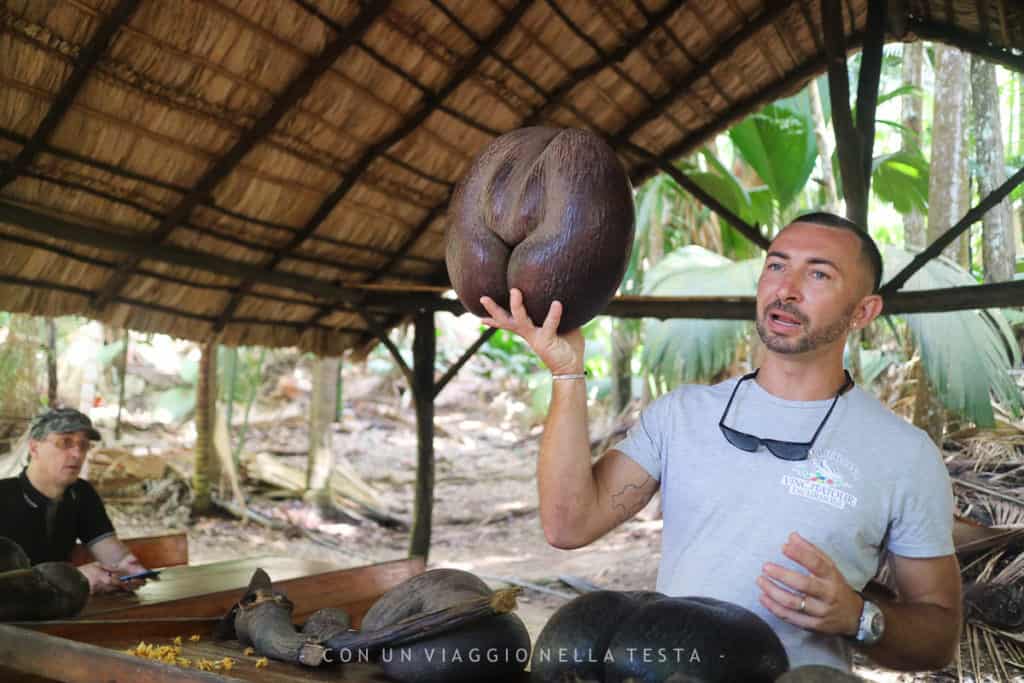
x=511 y=351
x=778 y=142
x=901 y=179
x=109 y=352
x=180 y=402
x=967 y=354
x=685 y=350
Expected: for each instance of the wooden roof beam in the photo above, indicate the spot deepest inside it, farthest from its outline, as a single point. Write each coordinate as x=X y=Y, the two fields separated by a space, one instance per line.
x=354 y=297
x=774 y=9
x=749 y=231
x=928 y=30
x=854 y=140
x=581 y=74
x=207 y=203
x=398 y=71
x=945 y=239
x=506 y=26
x=203 y=189
x=87 y=59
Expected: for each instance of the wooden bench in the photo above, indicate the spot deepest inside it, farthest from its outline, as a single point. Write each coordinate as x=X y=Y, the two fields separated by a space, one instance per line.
x=165 y=550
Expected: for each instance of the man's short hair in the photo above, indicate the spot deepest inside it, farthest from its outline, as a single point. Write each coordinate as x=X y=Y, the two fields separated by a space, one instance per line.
x=62 y=421
x=868 y=249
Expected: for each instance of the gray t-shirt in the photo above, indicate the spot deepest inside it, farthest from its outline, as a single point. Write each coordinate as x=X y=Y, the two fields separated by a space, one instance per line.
x=728 y=511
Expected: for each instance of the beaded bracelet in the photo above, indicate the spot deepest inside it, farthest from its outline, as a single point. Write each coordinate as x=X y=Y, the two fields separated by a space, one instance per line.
x=571 y=375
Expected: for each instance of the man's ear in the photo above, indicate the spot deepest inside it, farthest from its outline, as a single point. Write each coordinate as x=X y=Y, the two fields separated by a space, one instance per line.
x=866 y=310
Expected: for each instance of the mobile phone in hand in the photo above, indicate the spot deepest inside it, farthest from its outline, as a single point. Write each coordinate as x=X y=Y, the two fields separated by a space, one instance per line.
x=148 y=574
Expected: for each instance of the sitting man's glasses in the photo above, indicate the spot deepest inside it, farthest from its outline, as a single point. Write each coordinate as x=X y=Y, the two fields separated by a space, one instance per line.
x=786 y=450
x=66 y=443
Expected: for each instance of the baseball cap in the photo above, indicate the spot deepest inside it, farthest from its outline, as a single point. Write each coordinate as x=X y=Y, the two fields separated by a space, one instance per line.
x=62 y=421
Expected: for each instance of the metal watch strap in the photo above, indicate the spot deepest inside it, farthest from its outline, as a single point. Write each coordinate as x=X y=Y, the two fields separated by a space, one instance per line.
x=871 y=625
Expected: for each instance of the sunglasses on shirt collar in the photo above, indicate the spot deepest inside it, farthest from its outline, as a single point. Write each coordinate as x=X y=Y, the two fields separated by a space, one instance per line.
x=784 y=450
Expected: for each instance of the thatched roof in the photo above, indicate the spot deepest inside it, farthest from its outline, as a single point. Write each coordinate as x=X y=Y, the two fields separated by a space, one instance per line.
x=270 y=170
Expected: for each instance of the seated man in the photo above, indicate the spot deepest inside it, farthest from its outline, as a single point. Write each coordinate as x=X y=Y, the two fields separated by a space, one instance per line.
x=47 y=508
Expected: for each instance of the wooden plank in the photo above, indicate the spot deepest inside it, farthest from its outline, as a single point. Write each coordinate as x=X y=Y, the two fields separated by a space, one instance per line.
x=211 y=590
x=165 y=550
x=175 y=606
x=58 y=659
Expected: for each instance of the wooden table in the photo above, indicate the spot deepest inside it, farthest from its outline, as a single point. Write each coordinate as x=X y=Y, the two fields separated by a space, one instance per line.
x=186 y=601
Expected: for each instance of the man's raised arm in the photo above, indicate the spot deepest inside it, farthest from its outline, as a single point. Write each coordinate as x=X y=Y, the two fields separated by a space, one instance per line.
x=579 y=501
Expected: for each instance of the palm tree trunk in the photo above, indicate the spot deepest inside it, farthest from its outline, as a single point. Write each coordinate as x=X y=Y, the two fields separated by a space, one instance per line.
x=51 y=363
x=321 y=415
x=945 y=191
x=998 y=248
x=913 y=68
x=824 y=147
x=946 y=198
x=206 y=470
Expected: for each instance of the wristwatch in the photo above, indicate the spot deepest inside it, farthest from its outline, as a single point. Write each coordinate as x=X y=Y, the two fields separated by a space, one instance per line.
x=872 y=624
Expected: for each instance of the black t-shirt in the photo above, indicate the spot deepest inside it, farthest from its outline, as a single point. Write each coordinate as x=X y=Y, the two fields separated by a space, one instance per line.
x=47 y=529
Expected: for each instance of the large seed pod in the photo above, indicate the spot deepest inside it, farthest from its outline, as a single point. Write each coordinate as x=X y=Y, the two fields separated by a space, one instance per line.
x=489 y=648
x=548 y=211
x=573 y=642
x=12 y=556
x=50 y=590
x=704 y=639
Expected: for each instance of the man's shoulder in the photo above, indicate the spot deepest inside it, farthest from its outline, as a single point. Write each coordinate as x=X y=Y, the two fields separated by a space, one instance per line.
x=689 y=397
x=8 y=484
x=875 y=419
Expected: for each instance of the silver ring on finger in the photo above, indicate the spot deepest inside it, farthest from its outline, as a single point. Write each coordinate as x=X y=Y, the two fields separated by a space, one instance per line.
x=803 y=605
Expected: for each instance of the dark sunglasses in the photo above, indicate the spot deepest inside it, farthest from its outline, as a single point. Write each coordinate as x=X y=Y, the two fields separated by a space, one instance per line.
x=785 y=450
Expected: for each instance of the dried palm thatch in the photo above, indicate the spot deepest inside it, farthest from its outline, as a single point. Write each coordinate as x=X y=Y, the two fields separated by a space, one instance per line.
x=275 y=172
x=988 y=476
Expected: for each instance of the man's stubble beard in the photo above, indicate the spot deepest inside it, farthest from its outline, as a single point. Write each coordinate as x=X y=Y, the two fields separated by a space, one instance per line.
x=814 y=339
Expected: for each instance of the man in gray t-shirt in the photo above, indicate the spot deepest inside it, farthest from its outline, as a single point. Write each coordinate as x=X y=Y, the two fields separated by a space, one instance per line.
x=782 y=489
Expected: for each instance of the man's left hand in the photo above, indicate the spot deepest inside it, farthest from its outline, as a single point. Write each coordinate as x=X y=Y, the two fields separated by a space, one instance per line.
x=820 y=600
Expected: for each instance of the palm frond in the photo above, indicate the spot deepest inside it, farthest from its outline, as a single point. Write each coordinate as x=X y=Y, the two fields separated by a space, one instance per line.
x=693 y=350
x=967 y=354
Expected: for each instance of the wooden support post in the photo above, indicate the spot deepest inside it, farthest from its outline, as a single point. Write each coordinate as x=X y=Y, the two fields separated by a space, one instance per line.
x=854 y=140
x=424 y=346
x=51 y=362
x=122 y=378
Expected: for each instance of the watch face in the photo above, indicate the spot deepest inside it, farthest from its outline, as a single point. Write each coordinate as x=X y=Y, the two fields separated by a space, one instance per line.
x=876 y=625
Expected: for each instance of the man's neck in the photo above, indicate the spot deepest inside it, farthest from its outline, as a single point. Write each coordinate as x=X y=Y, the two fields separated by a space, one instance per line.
x=801 y=379
x=50 y=490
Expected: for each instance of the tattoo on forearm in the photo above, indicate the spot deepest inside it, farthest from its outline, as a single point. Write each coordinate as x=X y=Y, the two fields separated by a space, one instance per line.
x=625 y=503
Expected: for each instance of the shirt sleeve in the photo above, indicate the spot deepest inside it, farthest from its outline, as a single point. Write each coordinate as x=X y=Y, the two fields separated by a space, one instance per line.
x=923 y=510
x=644 y=441
x=93 y=522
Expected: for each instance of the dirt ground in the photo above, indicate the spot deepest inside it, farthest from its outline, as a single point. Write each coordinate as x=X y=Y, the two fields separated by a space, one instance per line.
x=485 y=516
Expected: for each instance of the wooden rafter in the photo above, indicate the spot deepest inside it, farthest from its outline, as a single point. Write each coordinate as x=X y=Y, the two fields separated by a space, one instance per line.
x=741 y=109
x=507 y=24
x=928 y=30
x=983 y=25
x=294 y=92
x=354 y=297
x=87 y=59
x=666 y=166
x=678 y=44
x=945 y=239
x=581 y=74
x=398 y=71
x=722 y=52
x=602 y=54
x=206 y=204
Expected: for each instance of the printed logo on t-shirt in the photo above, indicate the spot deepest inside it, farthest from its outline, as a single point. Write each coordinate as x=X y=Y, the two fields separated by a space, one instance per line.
x=822 y=477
